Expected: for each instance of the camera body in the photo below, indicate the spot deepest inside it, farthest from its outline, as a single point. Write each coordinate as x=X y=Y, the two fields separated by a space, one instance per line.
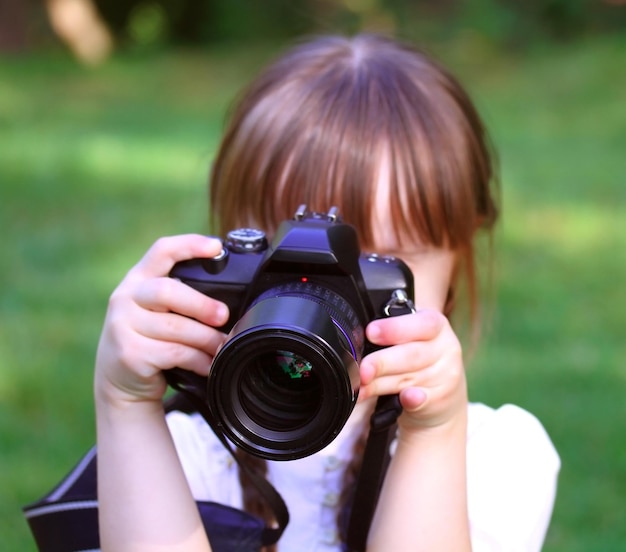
x=286 y=379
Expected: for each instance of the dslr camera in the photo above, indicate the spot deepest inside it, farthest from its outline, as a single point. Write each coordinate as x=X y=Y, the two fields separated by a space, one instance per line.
x=286 y=379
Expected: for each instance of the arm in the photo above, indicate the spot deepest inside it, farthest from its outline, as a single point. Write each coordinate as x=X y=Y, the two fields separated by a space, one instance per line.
x=423 y=503
x=144 y=501
x=153 y=323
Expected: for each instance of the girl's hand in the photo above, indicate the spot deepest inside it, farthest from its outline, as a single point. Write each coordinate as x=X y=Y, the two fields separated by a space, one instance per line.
x=422 y=362
x=155 y=323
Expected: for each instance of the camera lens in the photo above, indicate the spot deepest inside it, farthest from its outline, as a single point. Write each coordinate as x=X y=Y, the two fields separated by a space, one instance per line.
x=286 y=380
x=281 y=390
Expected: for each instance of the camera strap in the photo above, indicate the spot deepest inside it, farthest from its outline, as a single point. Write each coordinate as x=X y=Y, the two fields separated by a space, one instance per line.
x=376 y=457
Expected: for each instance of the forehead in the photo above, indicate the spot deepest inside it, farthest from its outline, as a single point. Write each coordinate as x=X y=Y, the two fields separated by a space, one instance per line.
x=380 y=202
x=389 y=230
x=383 y=234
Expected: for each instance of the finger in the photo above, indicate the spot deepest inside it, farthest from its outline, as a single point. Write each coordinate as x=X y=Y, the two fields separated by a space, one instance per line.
x=413 y=399
x=164 y=355
x=422 y=325
x=170 y=295
x=166 y=252
x=194 y=361
x=390 y=385
x=174 y=328
x=404 y=358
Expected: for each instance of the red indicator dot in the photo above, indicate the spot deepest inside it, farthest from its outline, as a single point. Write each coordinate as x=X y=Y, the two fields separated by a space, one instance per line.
x=304 y=279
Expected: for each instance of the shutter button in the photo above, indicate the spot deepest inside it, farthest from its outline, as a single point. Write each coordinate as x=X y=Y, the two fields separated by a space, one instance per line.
x=216 y=264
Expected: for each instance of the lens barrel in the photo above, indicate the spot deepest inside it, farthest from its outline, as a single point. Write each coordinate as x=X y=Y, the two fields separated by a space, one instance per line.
x=286 y=380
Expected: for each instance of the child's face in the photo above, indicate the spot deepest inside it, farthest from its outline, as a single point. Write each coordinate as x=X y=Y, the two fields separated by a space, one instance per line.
x=432 y=267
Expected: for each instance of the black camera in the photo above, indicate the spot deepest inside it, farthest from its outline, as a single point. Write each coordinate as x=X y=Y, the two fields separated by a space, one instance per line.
x=287 y=377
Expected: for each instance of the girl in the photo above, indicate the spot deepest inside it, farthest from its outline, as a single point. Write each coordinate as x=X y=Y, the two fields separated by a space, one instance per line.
x=387 y=135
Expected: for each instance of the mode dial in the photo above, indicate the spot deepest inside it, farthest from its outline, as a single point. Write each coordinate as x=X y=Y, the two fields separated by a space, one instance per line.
x=246 y=240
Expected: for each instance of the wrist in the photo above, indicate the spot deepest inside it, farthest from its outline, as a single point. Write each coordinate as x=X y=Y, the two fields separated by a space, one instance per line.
x=110 y=400
x=452 y=430
x=116 y=387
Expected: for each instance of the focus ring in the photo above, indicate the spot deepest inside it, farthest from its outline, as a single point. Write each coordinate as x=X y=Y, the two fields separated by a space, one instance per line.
x=337 y=307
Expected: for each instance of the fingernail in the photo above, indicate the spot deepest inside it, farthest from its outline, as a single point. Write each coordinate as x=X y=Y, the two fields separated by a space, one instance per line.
x=212 y=245
x=367 y=372
x=414 y=398
x=373 y=331
x=222 y=313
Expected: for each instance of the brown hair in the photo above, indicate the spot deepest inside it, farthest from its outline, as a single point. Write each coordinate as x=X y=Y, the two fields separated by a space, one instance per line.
x=320 y=124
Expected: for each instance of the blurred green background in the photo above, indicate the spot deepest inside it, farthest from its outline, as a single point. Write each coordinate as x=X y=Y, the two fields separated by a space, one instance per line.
x=101 y=154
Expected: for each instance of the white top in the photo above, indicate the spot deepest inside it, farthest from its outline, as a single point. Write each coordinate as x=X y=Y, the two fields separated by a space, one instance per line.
x=512 y=470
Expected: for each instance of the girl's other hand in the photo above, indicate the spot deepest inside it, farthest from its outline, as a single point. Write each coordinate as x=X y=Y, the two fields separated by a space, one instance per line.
x=154 y=323
x=422 y=362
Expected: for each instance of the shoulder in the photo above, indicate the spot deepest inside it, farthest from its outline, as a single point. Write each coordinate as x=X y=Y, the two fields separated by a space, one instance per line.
x=509 y=432
x=509 y=422
x=512 y=470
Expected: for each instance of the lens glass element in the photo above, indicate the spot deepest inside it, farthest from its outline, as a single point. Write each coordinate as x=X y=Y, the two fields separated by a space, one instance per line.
x=293 y=365
x=280 y=390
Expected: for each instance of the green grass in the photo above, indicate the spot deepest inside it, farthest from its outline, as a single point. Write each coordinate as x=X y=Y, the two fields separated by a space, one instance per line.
x=96 y=164
x=557 y=342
